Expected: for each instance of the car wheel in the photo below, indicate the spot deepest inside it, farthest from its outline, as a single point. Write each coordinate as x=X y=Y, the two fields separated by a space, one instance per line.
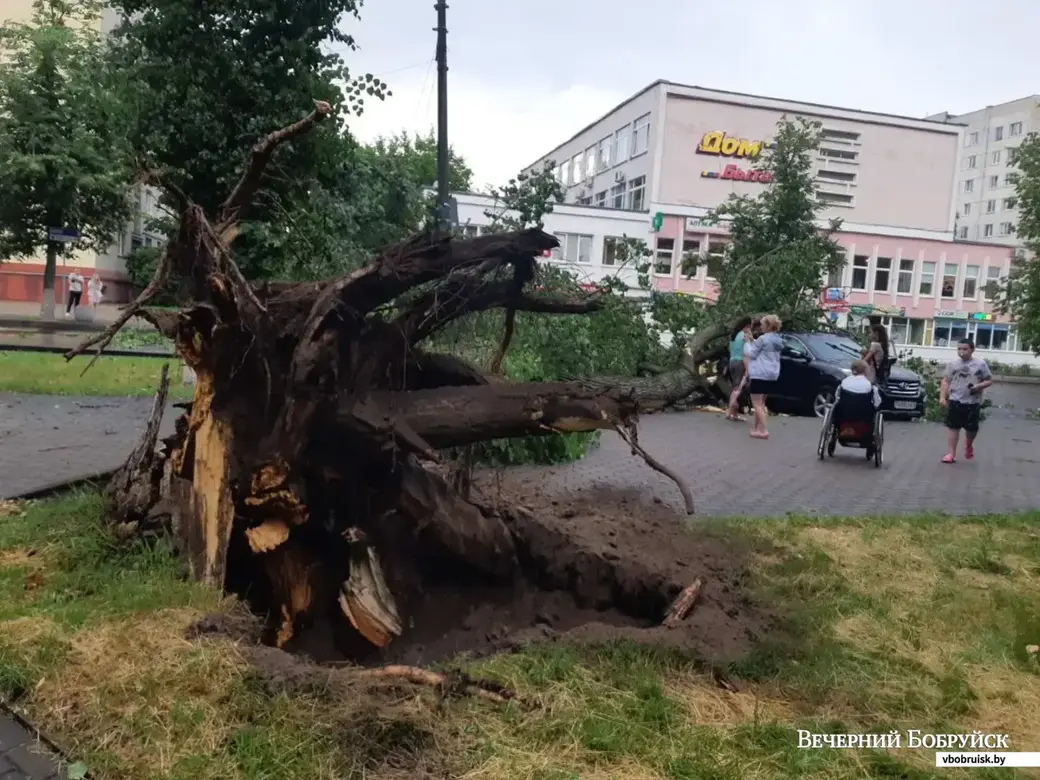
x=823 y=399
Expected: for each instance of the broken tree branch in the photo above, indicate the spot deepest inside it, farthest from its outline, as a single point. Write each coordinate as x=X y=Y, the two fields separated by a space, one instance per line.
x=452 y=683
x=683 y=604
x=656 y=465
x=234 y=208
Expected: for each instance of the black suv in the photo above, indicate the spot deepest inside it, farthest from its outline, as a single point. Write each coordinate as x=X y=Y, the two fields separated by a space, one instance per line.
x=813 y=364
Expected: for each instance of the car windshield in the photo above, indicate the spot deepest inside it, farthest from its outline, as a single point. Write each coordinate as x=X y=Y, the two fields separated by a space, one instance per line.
x=833 y=349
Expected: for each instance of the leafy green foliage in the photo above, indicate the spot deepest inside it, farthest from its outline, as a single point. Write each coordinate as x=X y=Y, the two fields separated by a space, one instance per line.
x=64 y=156
x=524 y=200
x=778 y=257
x=1019 y=295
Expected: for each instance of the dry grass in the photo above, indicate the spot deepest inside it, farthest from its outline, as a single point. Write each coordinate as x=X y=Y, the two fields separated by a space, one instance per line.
x=919 y=623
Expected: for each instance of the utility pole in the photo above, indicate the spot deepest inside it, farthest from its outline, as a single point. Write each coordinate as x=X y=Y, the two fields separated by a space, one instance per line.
x=443 y=216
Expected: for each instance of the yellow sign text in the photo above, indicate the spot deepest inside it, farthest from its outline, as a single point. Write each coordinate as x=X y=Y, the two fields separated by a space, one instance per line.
x=717 y=142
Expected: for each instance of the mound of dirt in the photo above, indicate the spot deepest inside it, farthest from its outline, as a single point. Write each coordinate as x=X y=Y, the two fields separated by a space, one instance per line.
x=595 y=567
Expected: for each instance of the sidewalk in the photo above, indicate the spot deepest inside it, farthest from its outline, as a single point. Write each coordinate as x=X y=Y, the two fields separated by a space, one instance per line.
x=22 y=314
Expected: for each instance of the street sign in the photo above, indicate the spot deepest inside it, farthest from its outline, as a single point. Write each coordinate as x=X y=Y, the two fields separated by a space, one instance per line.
x=63 y=235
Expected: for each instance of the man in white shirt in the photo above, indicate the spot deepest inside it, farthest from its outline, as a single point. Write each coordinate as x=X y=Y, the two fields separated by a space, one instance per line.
x=858 y=383
x=75 y=292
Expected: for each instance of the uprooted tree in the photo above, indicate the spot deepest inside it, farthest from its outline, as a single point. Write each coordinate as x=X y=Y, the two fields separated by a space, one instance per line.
x=307 y=469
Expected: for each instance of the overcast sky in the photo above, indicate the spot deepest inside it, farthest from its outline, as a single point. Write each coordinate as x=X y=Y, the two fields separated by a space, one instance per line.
x=525 y=76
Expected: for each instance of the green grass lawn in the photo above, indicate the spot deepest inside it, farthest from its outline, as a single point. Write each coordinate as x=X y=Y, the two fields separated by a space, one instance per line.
x=915 y=623
x=50 y=374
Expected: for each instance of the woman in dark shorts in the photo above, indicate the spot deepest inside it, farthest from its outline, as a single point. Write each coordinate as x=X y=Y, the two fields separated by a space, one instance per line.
x=740 y=335
x=763 y=370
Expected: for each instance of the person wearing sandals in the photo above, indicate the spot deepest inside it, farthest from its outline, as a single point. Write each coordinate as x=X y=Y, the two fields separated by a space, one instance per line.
x=763 y=356
x=737 y=372
x=960 y=394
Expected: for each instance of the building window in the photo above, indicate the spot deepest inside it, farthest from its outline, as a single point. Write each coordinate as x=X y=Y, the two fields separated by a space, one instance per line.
x=998 y=133
x=567 y=177
x=987 y=230
x=839 y=154
x=578 y=167
x=1010 y=203
x=995 y=158
x=1011 y=152
x=904 y=285
x=1006 y=228
x=641 y=135
x=971 y=282
x=967 y=209
x=637 y=193
x=843 y=177
x=834 y=198
x=590 y=162
x=859 y=272
x=610 y=250
x=994 y=182
x=949 y=280
x=689 y=258
x=1015 y=128
x=559 y=174
x=1010 y=180
x=991 y=206
x=992 y=282
x=949 y=332
x=973 y=139
x=574 y=248
x=927 y=278
x=601 y=199
x=971 y=161
x=716 y=253
x=603 y=153
x=663 y=252
x=617 y=196
x=969 y=185
x=622 y=140
x=882 y=274
x=584 y=200
x=963 y=232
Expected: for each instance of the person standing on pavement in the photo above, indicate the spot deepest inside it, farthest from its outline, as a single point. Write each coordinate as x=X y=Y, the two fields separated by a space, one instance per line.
x=737 y=373
x=95 y=289
x=876 y=355
x=961 y=395
x=763 y=355
x=75 y=293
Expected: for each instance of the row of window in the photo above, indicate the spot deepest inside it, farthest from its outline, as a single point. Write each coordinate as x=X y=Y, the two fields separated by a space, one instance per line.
x=992 y=182
x=1008 y=204
x=620 y=146
x=1005 y=229
x=904 y=278
x=995 y=158
x=975 y=137
x=943 y=332
x=631 y=197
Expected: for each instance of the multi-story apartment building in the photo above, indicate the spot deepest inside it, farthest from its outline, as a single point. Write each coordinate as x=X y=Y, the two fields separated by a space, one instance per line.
x=672 y=146
x=21 y=279
x=985 y=186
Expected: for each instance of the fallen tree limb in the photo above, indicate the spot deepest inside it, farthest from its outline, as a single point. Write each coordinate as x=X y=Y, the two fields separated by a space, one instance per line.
x=453 y=683
x=683 y=604
x=656 y=465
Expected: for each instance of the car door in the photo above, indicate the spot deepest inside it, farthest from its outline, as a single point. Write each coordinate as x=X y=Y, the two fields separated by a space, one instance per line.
x=796 y=374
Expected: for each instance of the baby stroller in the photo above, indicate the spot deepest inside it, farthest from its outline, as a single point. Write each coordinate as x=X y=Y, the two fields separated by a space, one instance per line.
x=853 y=422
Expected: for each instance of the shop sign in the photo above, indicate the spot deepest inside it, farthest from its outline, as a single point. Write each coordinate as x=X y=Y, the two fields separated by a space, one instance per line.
x=981 y=316
x=891 y=311
x=834 y=294
x=719 y=143
x=734 y=173
x=951 y=314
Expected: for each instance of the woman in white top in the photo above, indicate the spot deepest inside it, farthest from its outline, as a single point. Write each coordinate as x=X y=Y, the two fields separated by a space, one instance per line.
x=94 y=290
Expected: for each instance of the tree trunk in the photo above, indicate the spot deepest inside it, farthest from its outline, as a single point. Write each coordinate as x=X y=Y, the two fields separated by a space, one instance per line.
x=308 y=470
x=50 y=271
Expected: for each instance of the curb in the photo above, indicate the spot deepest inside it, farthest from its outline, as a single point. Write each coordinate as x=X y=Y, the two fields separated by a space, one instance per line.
x=61 y=758
x=54 y=488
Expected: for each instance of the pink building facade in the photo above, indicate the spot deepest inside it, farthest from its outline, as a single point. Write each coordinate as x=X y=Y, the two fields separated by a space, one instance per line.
x=929 y=292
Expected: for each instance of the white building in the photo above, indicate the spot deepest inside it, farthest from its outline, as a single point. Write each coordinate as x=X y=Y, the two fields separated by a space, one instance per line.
x=587 y=235
x=985 y=187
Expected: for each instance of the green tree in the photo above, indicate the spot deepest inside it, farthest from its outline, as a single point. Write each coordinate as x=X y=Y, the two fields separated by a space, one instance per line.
x=1019 y=294
x=211 y=78
x=64 y=157
x=778 y=257
x=419 y=155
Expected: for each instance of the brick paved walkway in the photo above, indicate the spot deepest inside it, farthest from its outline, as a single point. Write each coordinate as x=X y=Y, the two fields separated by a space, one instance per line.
x=732 y=474
x=48 y=439
x=23 y=756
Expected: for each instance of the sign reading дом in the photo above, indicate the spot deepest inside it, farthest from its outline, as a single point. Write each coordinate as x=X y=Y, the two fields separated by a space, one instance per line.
x=721 y=144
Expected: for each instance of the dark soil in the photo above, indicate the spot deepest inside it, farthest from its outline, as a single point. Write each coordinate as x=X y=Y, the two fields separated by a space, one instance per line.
x=596 y=567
